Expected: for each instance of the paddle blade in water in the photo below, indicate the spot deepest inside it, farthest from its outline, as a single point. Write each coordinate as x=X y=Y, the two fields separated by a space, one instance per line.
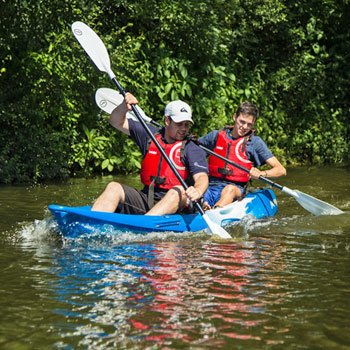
x=215 y=228
x=316 y=206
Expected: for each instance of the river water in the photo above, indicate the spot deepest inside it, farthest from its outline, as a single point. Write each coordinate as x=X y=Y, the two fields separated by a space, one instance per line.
x=282 y=283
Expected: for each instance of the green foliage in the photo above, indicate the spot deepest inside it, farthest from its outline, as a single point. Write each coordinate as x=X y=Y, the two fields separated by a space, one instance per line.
x=291 y=58
x=174 y=81
x=90 y=149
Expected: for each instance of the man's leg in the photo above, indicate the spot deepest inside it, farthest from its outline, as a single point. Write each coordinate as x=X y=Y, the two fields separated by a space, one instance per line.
x=110 y=198
x=209 y=198
x=229 y=194
x=212 y=195
x=170 y=203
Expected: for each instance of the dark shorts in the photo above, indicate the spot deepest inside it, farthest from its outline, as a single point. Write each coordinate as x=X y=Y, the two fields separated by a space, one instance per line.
x=136 y=201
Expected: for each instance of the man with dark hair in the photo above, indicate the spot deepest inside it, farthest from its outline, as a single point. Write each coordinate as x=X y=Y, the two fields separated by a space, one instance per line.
x=238 y=143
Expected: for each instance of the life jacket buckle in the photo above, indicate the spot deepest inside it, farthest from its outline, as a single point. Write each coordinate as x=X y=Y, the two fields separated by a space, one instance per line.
x=225 y=171
x=158 y=180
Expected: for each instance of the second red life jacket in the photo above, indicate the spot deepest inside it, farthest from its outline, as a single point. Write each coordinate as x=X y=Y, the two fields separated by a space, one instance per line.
x=234 y=150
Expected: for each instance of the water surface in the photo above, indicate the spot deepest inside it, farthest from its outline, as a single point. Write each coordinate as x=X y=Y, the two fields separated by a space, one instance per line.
x=283 y=283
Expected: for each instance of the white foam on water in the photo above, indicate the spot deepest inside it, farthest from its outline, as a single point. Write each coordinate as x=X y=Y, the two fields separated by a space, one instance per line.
x=240 y=230
x=112 y=236
x=43 y=232
x=39 y=231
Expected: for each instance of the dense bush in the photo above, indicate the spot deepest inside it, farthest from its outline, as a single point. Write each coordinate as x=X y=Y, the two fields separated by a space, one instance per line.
x=291 y=58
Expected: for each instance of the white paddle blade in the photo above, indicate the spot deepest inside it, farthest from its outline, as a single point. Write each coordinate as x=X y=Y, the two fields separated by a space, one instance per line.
x=93 y=46
x=108 y=99
x=103 y=100
x=215 y=228
x=316 y=206
x=311 y=204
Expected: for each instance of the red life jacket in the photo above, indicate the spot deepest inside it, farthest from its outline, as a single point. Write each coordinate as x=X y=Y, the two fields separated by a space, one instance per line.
x=155 y=168
x=235 y=150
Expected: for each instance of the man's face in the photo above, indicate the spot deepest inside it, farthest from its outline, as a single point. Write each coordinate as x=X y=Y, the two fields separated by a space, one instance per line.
x=243 y=124
x=176 y=131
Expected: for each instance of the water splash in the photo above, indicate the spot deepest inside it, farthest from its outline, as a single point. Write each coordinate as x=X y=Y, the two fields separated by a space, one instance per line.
x=46 y=231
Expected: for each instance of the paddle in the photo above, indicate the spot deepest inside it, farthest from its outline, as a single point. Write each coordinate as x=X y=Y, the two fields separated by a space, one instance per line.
x=97 y=51
x=311 y=204
x=108 y=99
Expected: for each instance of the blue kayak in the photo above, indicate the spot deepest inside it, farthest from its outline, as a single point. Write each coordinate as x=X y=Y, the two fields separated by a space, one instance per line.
x=76 y=221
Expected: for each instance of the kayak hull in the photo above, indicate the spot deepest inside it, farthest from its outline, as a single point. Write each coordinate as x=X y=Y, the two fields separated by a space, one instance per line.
x=76 y=221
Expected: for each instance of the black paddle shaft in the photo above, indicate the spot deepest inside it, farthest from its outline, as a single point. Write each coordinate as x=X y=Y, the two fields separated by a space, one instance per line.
x=271 y=183
x=153 y=138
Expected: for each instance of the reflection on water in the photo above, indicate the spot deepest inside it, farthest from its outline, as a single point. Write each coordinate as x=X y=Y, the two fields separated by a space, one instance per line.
x=281 y=283
x=180 y=292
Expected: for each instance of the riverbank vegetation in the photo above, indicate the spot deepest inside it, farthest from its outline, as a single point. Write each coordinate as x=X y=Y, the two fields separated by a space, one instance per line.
x=289 y=57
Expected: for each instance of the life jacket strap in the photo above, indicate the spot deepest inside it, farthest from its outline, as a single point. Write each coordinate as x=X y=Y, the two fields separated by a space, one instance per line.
x=156 y=180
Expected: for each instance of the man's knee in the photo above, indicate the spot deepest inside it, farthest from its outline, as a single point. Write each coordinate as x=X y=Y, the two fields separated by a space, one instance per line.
x=113 y=186
x=116 y=189
x=177 y=192
x=231 y=188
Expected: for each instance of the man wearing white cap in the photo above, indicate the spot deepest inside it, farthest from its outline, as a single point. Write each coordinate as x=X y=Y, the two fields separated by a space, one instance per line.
x=161 y=186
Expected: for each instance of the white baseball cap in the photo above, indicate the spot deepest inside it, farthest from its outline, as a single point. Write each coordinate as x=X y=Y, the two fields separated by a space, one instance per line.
x=178 y=111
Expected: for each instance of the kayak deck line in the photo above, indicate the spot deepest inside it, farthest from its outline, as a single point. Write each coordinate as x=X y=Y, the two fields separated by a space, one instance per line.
x=75 y=221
